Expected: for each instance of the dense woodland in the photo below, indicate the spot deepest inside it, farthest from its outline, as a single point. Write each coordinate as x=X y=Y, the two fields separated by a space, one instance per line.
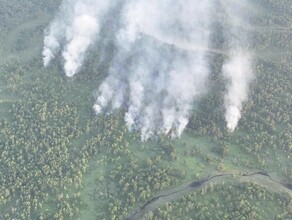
x=58 y=160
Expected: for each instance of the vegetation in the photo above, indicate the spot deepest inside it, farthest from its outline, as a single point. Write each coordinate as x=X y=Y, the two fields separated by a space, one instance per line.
x=227 y=201
x=60 y=161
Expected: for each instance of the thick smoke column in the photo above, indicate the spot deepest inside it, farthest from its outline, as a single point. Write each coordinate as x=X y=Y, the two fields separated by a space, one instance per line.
x=238 y=68
x=76 y=28
x=151 y=74
x=238 y=71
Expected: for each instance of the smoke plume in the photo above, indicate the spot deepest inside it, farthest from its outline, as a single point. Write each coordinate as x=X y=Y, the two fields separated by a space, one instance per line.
x=160 y=66
x=74 y=30
x=152 y=74
x=238 y=68
x=238 y=71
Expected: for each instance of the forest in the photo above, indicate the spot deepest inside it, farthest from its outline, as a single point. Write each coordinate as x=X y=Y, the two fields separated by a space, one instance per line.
x=59 y=160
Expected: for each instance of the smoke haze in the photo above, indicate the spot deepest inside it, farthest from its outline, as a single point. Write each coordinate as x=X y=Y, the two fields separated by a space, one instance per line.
x=160 y=66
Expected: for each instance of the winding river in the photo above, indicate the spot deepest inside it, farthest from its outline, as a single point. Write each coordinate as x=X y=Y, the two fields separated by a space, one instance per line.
x=260 y=177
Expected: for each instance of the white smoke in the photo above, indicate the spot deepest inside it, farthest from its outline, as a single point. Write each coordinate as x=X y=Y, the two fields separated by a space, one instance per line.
x=73 y=31
x=160 y=65
x=238 y=71
x=54 y=35
x=238 y=68
x=152 y=75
